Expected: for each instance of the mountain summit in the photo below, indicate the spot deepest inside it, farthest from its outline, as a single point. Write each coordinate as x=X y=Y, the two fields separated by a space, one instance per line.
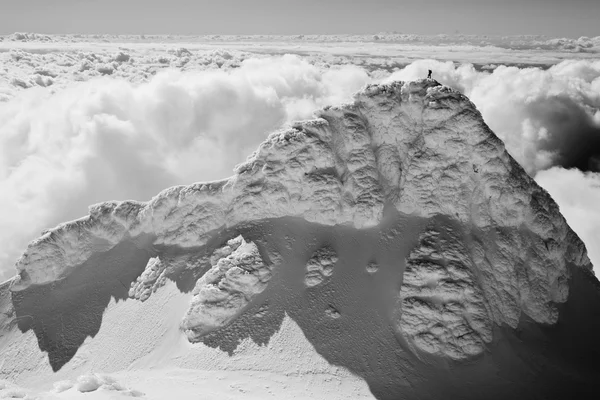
x=395 y=231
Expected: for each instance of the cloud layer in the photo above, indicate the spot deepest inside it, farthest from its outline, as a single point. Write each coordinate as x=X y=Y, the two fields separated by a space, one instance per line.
x=578 y=195
x=110 y=138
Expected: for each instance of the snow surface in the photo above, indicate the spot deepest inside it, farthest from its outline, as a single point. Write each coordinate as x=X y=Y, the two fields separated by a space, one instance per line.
x=390 y=242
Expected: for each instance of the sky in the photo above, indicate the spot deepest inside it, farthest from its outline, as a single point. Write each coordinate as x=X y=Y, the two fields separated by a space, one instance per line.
x=557 y=18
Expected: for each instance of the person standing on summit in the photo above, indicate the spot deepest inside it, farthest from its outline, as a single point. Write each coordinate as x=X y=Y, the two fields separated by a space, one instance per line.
x=429 y=75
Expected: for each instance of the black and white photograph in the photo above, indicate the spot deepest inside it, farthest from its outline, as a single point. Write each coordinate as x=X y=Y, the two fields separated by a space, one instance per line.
x=300 y=200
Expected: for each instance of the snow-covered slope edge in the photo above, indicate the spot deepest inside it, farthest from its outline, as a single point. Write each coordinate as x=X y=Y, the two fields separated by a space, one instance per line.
x=464 y=244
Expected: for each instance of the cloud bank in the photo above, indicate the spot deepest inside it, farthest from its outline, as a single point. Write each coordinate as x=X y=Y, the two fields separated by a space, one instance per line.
x=546 y=117
x=110 y=138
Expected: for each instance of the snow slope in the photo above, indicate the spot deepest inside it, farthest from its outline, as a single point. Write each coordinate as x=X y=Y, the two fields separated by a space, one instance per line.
x=391 y=240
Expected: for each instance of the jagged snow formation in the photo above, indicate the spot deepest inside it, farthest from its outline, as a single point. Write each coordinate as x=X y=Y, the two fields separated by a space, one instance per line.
x=442 y=309
x=149 y=281
x=411 y=149
x=227 y=288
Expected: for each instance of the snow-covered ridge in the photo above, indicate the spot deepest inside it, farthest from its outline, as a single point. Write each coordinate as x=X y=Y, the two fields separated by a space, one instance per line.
x=415 y=149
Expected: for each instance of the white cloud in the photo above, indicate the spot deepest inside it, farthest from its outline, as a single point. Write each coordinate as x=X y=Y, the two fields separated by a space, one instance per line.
x=110 y=139
x=578 y=196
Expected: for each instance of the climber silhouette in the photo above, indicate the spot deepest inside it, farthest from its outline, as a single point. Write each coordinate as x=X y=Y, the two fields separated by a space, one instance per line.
x=429 y=75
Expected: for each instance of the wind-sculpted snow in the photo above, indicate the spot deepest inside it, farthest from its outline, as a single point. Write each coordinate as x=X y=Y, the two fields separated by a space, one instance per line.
x=227 y=288
x=414 y=149
x=442 y=308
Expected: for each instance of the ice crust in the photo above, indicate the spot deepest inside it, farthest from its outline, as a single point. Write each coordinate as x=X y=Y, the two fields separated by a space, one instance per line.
x=417 y=148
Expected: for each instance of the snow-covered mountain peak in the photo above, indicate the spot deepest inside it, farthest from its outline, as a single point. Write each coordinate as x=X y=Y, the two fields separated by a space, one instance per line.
x=401 y=210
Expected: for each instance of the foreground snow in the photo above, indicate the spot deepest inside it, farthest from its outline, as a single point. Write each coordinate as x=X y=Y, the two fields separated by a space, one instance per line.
x=140 y=351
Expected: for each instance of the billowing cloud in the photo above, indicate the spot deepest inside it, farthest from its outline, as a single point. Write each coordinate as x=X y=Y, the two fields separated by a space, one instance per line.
x=111 y=139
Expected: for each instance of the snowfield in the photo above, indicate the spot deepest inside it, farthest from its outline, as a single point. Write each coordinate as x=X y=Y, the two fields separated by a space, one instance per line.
x=388 y=248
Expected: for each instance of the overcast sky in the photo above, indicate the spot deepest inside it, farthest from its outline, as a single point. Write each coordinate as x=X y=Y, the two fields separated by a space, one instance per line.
x=571 y=18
